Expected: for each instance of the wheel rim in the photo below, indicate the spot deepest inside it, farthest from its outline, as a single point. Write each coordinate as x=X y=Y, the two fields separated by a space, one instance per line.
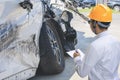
x=116 y=8
x=54 y=44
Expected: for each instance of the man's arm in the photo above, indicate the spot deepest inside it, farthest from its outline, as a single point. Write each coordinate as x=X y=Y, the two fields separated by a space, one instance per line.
x=83 y=67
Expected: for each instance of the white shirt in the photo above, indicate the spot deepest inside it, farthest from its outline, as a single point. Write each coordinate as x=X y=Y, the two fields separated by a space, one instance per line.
x=101 y=60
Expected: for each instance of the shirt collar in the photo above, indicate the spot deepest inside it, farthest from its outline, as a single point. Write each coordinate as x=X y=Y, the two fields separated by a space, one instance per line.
x=104 y=33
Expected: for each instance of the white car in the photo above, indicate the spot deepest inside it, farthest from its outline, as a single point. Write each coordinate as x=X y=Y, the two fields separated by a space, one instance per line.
x=32 y=41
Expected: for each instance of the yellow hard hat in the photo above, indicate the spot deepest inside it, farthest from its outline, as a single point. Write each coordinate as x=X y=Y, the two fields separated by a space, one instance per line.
x=101 y=13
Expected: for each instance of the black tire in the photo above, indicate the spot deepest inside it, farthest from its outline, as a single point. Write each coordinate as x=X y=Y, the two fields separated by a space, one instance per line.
x=116 y=8
x=83 y=7
x=51 y=51
x=89 y=7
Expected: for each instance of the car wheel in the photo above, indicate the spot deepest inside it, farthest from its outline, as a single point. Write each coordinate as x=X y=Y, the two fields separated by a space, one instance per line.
x=89 y=7
x=51 y=51
x=116 y=8
x=83 y=7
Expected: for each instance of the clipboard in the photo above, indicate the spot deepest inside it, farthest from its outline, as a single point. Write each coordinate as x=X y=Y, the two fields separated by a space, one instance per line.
x=70 y=53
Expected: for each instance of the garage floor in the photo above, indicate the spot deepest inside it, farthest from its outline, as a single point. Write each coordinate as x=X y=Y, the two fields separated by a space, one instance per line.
x=85 y=37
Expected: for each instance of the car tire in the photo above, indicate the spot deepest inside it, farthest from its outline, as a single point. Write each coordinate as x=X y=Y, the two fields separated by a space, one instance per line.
x=51 y=51
x=89 y=7
x=83 y=7
x=116 y=8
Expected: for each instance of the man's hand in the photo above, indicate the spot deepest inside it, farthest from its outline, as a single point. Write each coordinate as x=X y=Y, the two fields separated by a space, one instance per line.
x=76 y=54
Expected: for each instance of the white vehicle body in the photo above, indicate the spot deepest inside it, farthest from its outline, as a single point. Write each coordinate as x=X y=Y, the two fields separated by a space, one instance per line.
x=21 y=55
x=20 y=31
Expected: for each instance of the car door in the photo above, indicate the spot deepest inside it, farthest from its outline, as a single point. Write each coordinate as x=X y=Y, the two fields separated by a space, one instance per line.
x=19 y=31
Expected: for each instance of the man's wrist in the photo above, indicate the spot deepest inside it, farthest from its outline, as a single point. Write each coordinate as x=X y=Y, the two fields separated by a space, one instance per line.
x=78 y=58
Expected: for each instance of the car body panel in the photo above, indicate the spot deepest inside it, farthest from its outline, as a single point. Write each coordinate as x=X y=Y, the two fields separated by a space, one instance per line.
x=83 y=3
x=89 y=3
x=20 y=28
x=113 y=3
x=19 y=35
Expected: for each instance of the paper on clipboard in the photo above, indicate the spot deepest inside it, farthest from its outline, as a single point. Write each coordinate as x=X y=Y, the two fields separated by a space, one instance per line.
x=70 y=53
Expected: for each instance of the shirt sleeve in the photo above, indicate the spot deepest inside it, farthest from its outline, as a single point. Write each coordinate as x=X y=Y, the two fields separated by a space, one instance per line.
x=83 y=67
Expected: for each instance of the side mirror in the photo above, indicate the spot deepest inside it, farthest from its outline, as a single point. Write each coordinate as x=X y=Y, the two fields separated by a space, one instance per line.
x=66 y=16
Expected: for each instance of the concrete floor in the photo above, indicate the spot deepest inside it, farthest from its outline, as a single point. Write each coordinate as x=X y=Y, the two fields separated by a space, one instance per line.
x=85 y=36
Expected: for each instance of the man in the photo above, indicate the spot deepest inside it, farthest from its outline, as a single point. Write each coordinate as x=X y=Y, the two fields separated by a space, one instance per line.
x=103 y=56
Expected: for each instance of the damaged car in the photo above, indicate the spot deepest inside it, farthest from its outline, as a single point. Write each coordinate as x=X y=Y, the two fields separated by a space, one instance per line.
x=33 y=39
